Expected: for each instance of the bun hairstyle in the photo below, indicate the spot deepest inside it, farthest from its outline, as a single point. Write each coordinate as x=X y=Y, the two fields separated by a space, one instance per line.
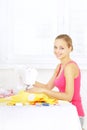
x=67 y=39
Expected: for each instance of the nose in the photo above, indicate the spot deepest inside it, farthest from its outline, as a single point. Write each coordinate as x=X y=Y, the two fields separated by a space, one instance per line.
x=57 y=50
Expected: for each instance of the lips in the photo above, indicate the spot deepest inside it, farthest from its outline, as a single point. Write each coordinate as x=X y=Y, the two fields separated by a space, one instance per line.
x=58 y=55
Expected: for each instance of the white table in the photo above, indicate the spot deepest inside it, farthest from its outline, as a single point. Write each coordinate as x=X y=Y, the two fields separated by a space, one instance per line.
x=61 y=117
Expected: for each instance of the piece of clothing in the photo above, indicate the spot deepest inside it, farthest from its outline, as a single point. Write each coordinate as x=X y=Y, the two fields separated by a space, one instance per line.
x=60 y=83
x=24 y=98
x=81 y=121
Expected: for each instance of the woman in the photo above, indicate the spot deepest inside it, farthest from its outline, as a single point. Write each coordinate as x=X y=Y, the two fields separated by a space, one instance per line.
x=66 y=76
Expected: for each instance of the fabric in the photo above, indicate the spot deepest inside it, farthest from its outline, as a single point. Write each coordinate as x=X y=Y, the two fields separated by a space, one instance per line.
x=24 y=98
x=81 y=121
x=60 y=83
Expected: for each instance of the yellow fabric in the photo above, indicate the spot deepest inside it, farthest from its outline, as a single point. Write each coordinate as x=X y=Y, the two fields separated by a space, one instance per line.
x=28 y=98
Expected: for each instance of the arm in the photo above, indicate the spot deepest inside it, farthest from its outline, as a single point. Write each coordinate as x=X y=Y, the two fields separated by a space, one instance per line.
x=50 y=83
x=70 y=72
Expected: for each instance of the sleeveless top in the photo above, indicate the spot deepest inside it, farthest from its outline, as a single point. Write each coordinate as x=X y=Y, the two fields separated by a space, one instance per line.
x=60 y=83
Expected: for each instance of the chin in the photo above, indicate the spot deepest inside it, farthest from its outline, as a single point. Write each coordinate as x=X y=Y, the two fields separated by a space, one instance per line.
x=59 y=57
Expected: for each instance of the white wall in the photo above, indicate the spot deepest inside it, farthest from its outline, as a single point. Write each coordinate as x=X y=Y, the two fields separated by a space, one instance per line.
x=9 y=79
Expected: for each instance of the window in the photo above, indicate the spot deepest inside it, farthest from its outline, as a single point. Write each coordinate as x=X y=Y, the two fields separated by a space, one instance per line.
x=77 y=29
x=33 y=25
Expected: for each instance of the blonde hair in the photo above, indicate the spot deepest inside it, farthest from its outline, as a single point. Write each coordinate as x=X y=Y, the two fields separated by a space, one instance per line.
x=67 y=39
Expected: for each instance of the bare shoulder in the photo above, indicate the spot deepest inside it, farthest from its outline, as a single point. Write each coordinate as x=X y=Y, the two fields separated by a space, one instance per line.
x=72 y=68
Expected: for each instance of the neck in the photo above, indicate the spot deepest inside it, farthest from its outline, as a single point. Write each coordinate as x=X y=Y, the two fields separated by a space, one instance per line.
x=65 y=61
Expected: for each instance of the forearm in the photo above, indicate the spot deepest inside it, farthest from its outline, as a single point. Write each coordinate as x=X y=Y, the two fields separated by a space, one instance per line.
x=58 y=95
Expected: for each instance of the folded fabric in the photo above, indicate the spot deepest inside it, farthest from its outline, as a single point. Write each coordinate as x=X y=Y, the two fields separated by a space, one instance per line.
x=6 y=92
x=28 y=98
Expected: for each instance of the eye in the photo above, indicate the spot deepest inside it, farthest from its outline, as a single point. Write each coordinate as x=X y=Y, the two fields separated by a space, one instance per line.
x=61 y=48
x=55 y=47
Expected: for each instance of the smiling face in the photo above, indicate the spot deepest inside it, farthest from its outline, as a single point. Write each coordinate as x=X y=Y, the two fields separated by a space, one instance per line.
x=61 y=49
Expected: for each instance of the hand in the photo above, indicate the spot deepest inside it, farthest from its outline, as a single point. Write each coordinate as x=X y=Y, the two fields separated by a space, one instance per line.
x=36 y=90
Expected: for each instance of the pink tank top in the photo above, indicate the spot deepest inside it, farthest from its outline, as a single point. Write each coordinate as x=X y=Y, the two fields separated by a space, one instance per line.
x=60 y=83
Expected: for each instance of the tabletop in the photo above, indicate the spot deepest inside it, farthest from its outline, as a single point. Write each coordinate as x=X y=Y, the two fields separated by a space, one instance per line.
x=53 y=117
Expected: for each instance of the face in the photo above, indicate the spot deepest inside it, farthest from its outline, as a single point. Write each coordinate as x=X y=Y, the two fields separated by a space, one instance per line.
x=61 y=49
